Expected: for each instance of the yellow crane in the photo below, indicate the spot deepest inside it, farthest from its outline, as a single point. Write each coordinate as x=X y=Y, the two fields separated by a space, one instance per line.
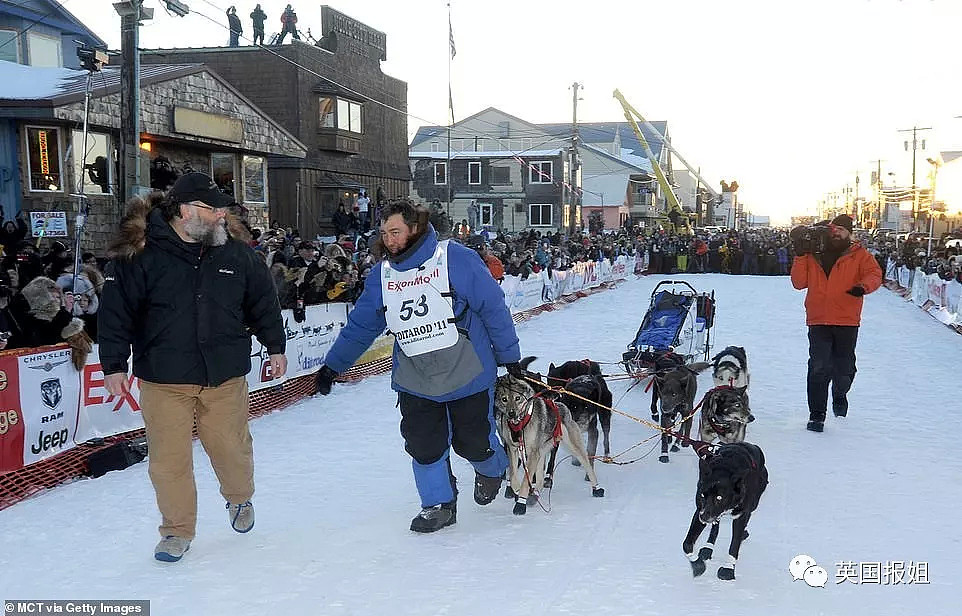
x=677 y=216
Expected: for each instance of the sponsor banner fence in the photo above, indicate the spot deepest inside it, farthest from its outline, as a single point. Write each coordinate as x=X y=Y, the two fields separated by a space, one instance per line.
x=307 y=345
x=47 y=407
x=940 y=298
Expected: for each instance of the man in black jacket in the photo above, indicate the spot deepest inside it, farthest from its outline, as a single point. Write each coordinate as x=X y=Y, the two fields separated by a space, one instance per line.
x=257 y=17
x=235 y=26
x=187 y=294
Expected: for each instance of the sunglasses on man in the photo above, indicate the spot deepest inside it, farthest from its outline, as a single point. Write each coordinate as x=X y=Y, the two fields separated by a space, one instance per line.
x=210 y=207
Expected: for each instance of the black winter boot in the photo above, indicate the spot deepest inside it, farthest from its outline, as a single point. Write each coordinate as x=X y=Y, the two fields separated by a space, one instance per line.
x=816 y=421
x=486 y=488
x=840 y=405
x=435 y=518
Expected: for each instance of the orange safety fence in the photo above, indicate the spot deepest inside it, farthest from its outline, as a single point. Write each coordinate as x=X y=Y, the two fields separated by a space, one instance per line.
x=71 y=465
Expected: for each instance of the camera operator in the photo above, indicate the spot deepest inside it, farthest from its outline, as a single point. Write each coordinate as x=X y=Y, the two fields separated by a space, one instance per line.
x=837 y=273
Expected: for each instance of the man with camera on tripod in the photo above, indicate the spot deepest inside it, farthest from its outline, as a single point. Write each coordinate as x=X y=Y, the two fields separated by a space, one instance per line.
x=837 y=272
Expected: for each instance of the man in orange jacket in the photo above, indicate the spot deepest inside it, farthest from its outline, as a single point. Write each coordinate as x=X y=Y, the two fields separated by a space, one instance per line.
x=837 y=277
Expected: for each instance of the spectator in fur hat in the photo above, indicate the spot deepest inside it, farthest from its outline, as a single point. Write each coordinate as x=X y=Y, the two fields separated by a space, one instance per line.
x=43 y=315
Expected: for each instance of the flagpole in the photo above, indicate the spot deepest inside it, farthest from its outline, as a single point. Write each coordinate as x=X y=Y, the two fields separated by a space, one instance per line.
x=447 y=166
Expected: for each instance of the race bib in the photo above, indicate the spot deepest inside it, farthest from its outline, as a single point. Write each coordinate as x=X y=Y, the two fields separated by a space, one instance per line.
x=418 y=307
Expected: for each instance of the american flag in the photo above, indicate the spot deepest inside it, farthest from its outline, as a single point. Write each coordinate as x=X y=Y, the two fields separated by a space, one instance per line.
x=451 y=37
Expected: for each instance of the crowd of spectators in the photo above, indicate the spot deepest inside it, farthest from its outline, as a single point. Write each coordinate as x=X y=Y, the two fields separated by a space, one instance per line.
x=763 y=251
x=41 y=300
x=39 y=293
x=912 y=251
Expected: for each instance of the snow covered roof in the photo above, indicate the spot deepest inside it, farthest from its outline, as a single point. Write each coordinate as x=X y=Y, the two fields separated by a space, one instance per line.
x=32 y=85
x=492 y=154
x=30 y=82
x=639 y=162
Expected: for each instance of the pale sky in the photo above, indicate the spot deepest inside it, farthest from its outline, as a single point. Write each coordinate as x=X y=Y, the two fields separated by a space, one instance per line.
x=789 y=98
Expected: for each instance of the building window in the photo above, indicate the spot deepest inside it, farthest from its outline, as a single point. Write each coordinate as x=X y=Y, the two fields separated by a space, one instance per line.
x=327 y=117
x=9 y=46
x=499 y=176
x=440 y=173
x=93 y=166
x=43 y=160
x=539 y=172
x=474 y=173
x=435 y=147
x=44 y=50
x=255 y=179
x=222 y=172
x=486 y=211
x=479 y=145
x=349 y=116
x=539 y=214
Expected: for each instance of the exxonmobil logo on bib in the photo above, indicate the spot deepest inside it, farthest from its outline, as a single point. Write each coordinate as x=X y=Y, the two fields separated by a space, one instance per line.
x=420 y=279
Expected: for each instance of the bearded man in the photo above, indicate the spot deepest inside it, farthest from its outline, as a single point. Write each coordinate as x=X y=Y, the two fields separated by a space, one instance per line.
x=452 y=330
x=182 y=290
x=837 y=278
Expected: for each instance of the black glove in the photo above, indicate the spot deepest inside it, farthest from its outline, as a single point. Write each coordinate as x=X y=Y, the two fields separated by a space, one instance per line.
x=797 y=235
x=515 y=370
x=299 y=312
x=857 y=291
x=325 y=379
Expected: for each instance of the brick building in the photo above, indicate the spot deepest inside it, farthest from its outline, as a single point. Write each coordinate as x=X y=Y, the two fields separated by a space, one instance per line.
x=351 y=141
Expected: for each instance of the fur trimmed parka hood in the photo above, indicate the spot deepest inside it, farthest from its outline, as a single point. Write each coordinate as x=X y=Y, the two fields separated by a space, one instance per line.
x=132 y=235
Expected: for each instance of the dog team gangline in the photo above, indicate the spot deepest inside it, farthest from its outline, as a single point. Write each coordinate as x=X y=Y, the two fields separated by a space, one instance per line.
x=702 y=449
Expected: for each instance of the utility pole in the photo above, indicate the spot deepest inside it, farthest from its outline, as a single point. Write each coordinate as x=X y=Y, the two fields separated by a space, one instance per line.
x=131 y=14
x=575 y=219
x=879 y=206
x=915 y=189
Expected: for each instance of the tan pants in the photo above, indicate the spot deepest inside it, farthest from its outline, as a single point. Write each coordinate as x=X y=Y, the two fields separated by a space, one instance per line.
x=221 y=412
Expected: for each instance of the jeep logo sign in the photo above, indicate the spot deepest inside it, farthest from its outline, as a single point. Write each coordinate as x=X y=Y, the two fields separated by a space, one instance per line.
x=49 y=441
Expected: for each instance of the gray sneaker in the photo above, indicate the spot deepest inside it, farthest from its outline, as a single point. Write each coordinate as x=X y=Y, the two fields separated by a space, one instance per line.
x=241 y=516
x=171 y=548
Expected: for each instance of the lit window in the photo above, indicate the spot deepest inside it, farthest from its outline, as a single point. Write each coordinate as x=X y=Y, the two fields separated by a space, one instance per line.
x=43 y=146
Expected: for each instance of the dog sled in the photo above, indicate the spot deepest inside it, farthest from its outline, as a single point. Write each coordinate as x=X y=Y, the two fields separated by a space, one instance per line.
x=678 y=323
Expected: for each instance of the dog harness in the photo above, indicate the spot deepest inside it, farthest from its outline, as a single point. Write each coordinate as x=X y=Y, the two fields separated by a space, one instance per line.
x=418 y=305
x=517 y=428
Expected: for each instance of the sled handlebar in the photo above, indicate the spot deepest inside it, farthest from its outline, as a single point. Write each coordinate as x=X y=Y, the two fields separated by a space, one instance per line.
x=672 y=282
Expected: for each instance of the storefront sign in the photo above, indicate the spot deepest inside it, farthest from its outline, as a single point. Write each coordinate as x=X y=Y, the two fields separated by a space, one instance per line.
x=351 y=35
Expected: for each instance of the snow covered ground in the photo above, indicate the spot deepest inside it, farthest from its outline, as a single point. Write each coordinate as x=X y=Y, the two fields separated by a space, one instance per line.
x=335 y=496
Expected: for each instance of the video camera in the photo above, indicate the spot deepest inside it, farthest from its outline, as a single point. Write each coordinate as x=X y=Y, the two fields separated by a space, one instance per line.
x=812 y=239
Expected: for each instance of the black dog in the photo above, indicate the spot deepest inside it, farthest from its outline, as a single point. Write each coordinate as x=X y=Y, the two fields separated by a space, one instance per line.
x=676 y=390
x=731 y=480
x=584 y=379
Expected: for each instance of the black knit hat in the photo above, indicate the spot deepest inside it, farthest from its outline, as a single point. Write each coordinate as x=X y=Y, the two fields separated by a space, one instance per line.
x=843 y=220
